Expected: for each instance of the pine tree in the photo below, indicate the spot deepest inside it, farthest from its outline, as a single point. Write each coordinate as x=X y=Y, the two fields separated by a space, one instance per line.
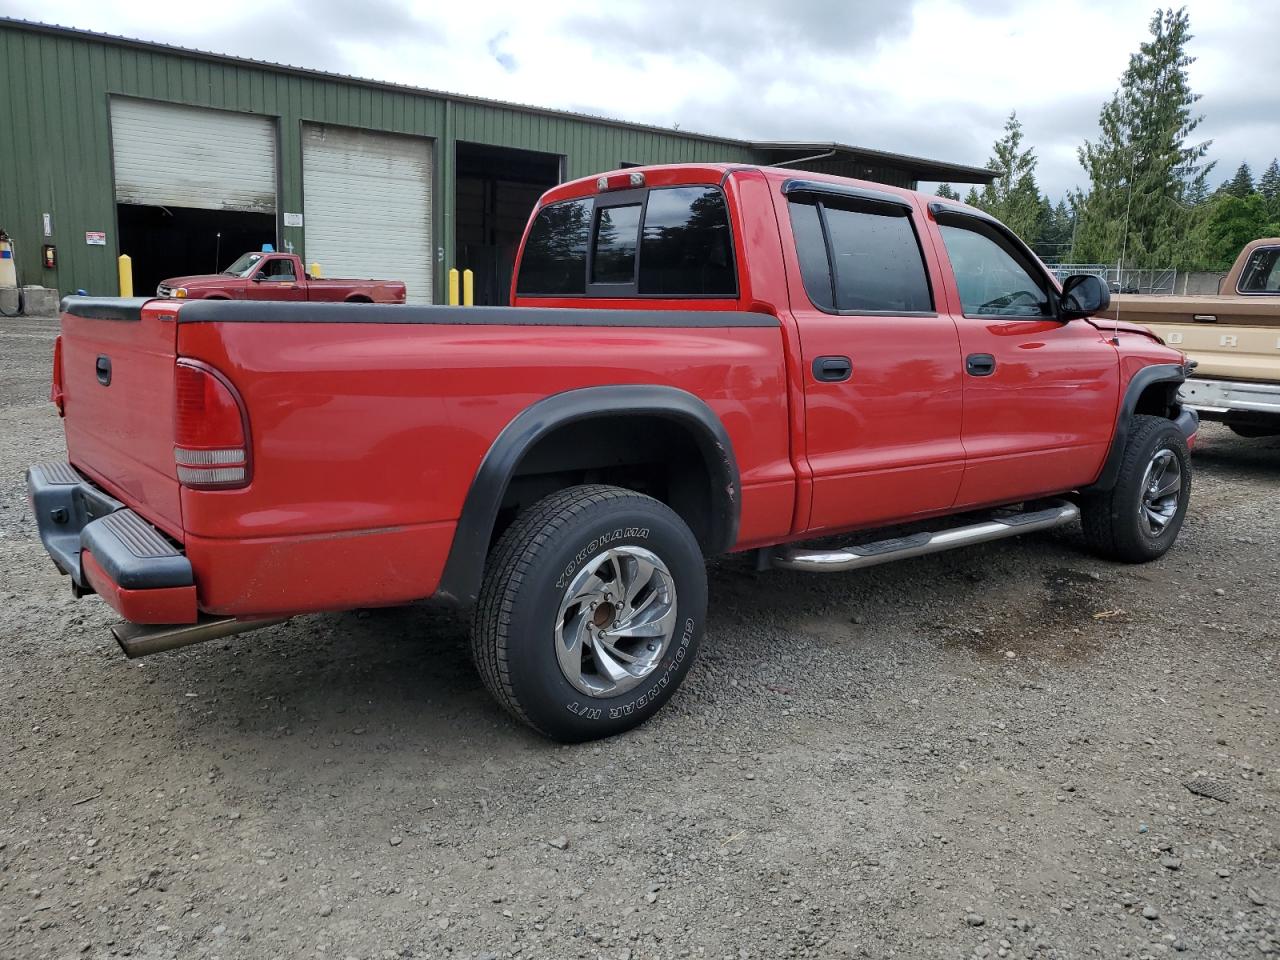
x=946 y=193
x=1269 y=187
x=1055 y=236
x=1241 y=185
x=1013 y=196
x=972 y=198
x=1143 y=172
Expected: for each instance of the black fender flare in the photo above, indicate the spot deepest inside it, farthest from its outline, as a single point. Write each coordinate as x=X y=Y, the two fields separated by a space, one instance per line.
x=1156 y=373
x=464 y=569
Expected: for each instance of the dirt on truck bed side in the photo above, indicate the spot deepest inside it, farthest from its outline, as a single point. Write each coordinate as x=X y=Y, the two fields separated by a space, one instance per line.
x=1010 y=750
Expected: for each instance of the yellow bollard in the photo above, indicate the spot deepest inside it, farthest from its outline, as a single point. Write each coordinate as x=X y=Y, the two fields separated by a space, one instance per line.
x=126 y=275
x=468 y=288
x=453 y=286
x=314 y=270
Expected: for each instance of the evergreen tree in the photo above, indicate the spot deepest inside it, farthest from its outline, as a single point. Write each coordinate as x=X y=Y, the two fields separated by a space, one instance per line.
x=1143 y=172
x=1241 y=185
x=946 y=193
x=1228 y=224
x=971 y=198
x=1058 y=225
x=1013 y=196
x=1269 y=187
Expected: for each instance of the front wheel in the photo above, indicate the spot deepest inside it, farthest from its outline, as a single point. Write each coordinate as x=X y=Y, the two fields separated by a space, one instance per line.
x=1139 y=518
x=590 y=613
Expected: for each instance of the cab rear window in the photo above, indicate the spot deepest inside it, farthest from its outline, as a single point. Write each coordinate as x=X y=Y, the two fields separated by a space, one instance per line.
x=663 y=242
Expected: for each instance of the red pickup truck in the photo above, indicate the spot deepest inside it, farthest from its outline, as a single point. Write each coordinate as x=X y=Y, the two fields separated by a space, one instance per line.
x=699 y=359
x=278 y=276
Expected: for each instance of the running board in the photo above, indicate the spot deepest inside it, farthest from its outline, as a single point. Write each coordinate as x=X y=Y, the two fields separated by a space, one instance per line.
x=862 y=555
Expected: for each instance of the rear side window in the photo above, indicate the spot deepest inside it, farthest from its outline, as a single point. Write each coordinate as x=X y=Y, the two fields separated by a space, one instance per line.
x=859 y=257
x=555 y=255
x=686 y=248
x=664 y=242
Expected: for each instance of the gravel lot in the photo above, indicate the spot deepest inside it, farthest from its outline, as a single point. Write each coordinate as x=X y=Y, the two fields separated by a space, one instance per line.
x=982 y=753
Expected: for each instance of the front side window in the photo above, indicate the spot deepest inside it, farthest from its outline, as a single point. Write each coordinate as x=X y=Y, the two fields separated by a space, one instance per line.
x=555 y=255
x=859 y=257
x=613 y=249
x=993 y=281
x=278 y=269
x=685 y=247
x=1262 y=273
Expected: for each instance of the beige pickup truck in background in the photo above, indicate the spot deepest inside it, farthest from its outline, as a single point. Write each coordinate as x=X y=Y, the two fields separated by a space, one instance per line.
x=1233 y=337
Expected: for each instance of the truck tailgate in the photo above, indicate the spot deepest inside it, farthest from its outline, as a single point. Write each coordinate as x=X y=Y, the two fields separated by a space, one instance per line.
x=118 y=388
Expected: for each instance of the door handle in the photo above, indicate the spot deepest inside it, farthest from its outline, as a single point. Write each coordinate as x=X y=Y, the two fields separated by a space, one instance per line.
x=104 y=370
x=980 y=364
x=832 y=369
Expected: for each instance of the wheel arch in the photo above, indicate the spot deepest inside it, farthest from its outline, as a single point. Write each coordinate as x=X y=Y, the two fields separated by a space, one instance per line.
x=1152 y=390
x=555 y=415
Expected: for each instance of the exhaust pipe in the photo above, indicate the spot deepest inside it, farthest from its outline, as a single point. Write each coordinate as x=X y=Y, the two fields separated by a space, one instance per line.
x=140 y=640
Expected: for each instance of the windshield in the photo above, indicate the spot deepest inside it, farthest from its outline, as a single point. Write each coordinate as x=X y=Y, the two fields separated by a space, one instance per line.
x=244 y=266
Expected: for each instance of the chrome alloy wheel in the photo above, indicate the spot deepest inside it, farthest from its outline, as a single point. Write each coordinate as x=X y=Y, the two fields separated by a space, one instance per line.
x=616 y=621
x=1161 y=491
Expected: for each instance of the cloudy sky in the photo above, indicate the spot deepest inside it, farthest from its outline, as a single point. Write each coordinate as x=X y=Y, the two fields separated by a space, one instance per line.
x=934 y=78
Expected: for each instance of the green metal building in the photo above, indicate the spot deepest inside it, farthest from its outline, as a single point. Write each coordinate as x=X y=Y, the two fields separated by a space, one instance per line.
x=185 y=159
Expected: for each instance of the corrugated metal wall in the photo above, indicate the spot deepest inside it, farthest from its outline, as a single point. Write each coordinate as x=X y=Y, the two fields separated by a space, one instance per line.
x=55 y=146
x=55 y=138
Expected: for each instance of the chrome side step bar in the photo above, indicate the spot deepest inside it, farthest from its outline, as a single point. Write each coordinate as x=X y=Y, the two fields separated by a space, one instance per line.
x=1059 y=514
x=140 y=640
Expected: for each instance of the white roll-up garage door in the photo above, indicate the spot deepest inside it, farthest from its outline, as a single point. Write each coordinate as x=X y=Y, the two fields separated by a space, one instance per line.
x=367 y=205
x=169 y=155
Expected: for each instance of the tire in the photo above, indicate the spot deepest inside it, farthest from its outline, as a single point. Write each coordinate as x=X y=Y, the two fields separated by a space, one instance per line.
x=558 y=653
x=1127 y=523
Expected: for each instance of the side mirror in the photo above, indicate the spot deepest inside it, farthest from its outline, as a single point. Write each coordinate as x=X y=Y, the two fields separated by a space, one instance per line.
x=257 y=278
x=1083 y=295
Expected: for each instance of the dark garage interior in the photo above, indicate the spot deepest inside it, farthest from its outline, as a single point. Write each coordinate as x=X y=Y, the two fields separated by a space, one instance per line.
x=178 y=241
x=497 y=189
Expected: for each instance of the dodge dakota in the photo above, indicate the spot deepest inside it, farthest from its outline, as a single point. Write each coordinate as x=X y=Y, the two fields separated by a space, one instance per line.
x=278 y=276
x=698 y=359
x=1233 y=338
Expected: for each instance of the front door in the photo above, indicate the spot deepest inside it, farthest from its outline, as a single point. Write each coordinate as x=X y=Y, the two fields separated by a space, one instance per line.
x=881 y=366
x=276 y=279
x=1040 y=394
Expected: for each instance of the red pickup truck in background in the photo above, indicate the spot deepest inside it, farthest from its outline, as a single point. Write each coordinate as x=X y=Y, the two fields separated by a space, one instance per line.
x=699 y=359
x=278 y=276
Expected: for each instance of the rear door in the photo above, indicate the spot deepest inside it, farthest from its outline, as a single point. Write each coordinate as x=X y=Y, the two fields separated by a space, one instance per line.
x=118 y=389
x=1040 y=394
x=882 y=387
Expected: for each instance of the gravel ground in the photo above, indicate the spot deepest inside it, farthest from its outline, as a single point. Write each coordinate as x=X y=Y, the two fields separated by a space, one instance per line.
x=983 y=753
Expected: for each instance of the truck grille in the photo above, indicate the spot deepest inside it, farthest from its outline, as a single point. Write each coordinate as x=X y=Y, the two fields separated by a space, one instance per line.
x=163 y=291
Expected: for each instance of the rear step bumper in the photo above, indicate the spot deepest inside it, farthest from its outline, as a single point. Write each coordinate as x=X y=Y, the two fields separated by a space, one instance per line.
x=1058 y=514
x=108 y=549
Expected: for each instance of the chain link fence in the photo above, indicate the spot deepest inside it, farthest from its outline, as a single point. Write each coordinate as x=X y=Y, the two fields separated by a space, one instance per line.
x=1121 y=281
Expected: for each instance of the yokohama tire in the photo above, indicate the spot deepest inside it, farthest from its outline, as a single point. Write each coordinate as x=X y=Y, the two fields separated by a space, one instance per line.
x=1127 y=522
x=577 y=542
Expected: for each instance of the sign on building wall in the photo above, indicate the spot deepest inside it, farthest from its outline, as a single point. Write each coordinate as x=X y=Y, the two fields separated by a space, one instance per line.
x=95 y=238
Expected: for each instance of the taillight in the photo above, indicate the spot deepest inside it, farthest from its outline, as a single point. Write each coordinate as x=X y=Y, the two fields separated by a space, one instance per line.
x=55 y=391
x=210 y=430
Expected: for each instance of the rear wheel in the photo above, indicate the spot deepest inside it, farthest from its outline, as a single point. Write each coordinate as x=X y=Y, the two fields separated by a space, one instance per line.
x=590 y=613
x=1139 y=518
